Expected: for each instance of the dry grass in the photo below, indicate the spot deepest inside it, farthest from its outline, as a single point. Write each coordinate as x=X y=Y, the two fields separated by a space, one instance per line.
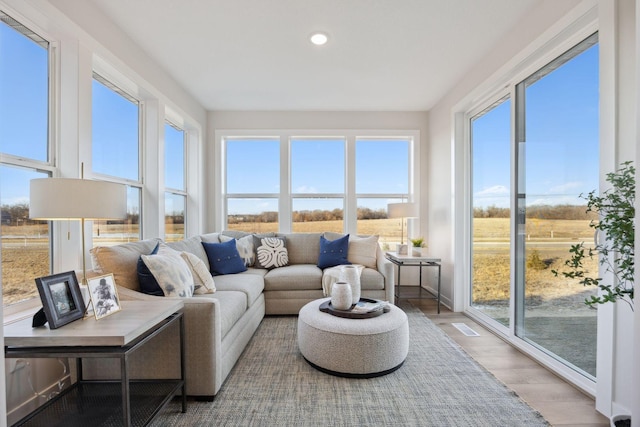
x=25 y=259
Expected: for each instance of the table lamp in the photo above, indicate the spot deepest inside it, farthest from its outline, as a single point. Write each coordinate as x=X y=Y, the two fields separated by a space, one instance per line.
x=54 y=199
x=402 y=210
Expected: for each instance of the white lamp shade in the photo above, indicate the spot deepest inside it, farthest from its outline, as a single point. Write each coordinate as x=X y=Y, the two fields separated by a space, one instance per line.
x=402 y=210
x=68 y=198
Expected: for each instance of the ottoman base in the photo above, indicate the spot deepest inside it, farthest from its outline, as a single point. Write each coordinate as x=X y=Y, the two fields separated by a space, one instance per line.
x=348 y=375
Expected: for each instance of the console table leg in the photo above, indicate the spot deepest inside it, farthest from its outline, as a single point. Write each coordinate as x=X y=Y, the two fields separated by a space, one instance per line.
x=126 y=407
x=439 y=279
x=182 y=366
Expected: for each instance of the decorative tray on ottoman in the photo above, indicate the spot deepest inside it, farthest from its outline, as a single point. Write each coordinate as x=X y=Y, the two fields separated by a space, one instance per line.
x=364 y=309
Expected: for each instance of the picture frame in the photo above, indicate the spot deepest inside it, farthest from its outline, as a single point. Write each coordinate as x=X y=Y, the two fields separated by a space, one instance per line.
x=104 y=295
x=62 y=301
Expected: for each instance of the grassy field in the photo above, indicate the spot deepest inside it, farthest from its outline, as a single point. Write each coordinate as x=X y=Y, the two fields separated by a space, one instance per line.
x=25 y=256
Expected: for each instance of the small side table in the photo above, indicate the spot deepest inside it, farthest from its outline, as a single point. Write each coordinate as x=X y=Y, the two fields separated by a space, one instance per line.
x=415 y=261
x=125 y=401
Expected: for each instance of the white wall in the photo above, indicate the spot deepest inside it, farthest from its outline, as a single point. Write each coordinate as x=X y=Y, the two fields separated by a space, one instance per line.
x=616 y=387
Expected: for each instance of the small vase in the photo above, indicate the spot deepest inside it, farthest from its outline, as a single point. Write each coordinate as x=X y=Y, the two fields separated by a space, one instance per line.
x=416 y=251
x=341 y=296
x=351 y=275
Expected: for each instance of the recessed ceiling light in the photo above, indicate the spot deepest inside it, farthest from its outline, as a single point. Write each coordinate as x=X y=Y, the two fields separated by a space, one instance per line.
x=319 y=38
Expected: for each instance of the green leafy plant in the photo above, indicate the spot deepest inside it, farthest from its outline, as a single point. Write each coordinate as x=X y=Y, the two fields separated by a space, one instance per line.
x=417 y=242
x=616 y=222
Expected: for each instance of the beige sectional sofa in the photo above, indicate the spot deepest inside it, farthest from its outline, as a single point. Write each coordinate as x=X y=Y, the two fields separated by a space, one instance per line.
x=219 y=325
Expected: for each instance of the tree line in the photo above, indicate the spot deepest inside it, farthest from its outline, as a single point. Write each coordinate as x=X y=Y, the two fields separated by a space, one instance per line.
x=308 y=215
x=18 y=214
x=574 y=212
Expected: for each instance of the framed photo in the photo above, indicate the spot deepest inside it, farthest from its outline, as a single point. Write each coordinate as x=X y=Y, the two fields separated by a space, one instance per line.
x=62 y=301
x=104 y=295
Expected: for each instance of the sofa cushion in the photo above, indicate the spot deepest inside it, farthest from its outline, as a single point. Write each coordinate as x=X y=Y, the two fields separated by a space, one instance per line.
x=202 y=280
x=148 y=283
x=371 y=279
x=333 y=252
x=233 y=305
x=121 y=261
x=298 y=276
x=210 y=237
x=224 y=258
x=362 y=249
x=245 y=248
x=251 y=284
x=304 y=248
x=171 y=272
x=271 y=252
x=192 y=245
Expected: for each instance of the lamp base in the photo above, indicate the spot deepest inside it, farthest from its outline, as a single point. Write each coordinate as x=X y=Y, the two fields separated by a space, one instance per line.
x=402 y=249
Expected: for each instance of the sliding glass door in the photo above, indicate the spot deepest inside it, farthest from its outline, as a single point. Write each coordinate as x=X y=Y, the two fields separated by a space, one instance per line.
x=550 y=122
x=557 y=162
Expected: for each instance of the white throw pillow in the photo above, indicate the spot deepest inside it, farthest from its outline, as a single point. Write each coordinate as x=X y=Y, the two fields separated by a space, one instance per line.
x=245 y=248
x=170 y=271
x=202 y=279
x=362 y=250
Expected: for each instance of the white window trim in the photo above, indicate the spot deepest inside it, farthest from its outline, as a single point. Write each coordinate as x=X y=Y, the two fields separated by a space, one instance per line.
x=285 y=195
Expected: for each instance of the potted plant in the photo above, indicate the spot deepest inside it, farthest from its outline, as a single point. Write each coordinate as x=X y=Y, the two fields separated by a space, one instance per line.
x=418 y=244
x=616 y=226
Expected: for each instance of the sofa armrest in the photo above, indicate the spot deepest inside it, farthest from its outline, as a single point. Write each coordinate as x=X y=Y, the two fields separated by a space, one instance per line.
x=202 y=339
x=385 y=267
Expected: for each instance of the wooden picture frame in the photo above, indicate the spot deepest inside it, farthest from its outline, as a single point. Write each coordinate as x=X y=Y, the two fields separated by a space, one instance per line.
x=62 y=301
x=104 y=295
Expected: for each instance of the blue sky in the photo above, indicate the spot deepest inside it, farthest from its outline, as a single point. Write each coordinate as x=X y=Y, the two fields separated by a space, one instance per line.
x=317 y=167
x=561 y=141
x=561 y=147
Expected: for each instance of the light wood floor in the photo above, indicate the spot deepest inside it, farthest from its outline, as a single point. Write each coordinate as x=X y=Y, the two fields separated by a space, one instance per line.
x=560 y=403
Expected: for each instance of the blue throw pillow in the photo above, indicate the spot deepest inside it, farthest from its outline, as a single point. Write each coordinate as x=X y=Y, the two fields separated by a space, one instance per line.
x=148 y=283
x=224 y=257
x=333 y=252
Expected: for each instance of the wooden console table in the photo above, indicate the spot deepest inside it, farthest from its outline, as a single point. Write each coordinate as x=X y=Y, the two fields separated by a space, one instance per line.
x=415 y=261
x=95 y=403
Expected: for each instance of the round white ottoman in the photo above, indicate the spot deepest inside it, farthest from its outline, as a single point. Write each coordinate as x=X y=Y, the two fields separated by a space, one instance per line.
x=357 y=348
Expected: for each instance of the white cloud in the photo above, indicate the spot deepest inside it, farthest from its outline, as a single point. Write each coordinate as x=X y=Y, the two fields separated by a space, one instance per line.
x=306 y=189
x=496 y=190
x=565 y=188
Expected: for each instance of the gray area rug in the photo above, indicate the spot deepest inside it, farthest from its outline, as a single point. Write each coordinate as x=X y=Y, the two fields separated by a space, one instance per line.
x=438 y=385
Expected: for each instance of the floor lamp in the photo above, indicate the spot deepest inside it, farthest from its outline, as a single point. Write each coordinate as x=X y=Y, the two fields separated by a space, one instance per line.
x=403 y=211
x=57 y=199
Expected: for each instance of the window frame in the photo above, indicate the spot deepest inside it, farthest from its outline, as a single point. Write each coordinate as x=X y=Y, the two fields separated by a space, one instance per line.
x=50 y=166
x=114 y=85
x=184 y=192
x=487 y=93
x=285 y=196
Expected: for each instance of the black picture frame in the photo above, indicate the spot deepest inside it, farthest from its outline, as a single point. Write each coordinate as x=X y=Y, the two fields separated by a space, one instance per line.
x=62 y=300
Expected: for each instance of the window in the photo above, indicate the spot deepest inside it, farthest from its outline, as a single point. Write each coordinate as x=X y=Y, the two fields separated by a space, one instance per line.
x=382 y=177
x=317 y=184
x=339 y=183
x=252 y=183
x=24 y=155
x=115 y=148
x=175 y=196
x=537 y=150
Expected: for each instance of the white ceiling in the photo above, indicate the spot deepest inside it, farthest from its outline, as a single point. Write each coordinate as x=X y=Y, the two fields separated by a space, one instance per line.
x=382 y=55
